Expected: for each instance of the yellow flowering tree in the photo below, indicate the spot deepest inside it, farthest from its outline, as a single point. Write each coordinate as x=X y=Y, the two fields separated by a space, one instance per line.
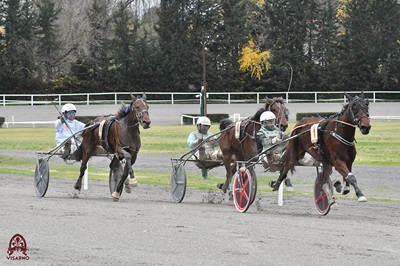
x=254 y=61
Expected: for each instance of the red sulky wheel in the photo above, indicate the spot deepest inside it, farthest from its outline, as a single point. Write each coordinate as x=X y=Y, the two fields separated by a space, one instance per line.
x=244 y=189
x=320 y=199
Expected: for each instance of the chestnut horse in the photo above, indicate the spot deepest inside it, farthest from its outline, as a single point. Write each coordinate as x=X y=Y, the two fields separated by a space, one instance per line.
x=245 y=148
x=334 y=147
x=119 y=135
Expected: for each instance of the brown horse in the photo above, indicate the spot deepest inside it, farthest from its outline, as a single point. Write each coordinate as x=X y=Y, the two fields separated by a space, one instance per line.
x=245 y=148
x=334 y=147
x=118 y=135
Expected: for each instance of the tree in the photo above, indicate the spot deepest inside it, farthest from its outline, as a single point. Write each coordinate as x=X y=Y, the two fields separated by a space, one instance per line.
x=18 y=47
x=47 y=34
x=369 y=49
x=291 y=37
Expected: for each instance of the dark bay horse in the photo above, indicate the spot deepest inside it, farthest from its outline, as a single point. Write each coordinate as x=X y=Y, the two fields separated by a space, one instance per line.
x=245 y=148
x=118 y=135
x=335 y=146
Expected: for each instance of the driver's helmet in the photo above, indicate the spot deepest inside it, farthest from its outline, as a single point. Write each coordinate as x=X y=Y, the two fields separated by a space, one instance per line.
x=267 y=120
x=203 y=124
x=68 y=107
x=267 y=115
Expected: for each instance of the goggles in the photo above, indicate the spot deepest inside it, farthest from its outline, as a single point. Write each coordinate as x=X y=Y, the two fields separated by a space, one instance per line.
x=71 y=112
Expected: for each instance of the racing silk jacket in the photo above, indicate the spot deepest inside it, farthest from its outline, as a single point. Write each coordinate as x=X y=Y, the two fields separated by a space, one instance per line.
x=209 y=145
x=63 y=132
x=264 y=138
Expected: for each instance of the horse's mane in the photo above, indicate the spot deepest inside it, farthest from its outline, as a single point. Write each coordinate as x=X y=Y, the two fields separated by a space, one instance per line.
x=278 y=99
x=256 y=116
x=122 y=111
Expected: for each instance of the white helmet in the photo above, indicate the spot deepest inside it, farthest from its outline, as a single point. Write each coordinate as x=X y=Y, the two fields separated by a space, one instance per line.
x=68 y=107
x=203 y=121
x=267 y=115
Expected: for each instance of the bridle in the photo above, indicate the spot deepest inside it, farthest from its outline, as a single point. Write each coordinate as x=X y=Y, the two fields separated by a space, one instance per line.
x=135 y=109
x=360 y=105
x=281 y=112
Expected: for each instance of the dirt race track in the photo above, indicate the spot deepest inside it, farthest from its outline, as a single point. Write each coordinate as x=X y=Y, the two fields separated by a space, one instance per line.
x=147 y=228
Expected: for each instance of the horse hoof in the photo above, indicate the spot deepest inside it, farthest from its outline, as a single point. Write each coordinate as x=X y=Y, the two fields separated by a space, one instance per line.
x=362 y=199
x=338 y=185
x=220 y=185
x=116 y=195
x=133 y=182
x=345 y=190
x=272 y=183
x=128 y=189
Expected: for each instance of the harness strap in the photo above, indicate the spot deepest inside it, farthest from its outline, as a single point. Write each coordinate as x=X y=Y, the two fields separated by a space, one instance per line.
x=101 y=129
x=237 y=130
x=314 y=133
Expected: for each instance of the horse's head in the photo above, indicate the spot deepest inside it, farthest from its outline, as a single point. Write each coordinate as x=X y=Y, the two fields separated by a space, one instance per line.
x=277 y=106
x=140 y=107
x=358 y=112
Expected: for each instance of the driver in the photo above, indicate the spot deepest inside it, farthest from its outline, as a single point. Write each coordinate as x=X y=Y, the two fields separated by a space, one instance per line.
x=267 y=136
x=196 y=137
x=65 y=127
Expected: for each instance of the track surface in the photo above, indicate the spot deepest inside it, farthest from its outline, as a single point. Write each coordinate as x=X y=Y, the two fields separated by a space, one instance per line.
x=147 y=228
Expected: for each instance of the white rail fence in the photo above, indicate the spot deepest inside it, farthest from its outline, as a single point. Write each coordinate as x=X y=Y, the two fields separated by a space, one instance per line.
x=190 y=97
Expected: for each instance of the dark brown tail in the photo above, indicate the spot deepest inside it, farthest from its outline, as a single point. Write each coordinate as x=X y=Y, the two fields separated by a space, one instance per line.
x=224 y=123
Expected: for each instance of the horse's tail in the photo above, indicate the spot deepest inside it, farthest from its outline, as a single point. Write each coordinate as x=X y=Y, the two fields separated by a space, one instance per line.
x=224 y=123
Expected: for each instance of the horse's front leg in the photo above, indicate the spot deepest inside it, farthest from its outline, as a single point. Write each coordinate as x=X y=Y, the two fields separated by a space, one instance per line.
x=349 y=178
x=127 y=170
x=353 y=181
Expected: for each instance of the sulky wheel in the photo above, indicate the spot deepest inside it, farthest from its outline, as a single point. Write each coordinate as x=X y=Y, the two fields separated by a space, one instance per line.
x=253 y=184
x=243 y=187
x=320 y=198
x=115 y=176
x=178 y=183
x=42 y=176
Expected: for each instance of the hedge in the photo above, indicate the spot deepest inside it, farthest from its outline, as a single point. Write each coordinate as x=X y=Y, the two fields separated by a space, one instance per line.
x=300 y=116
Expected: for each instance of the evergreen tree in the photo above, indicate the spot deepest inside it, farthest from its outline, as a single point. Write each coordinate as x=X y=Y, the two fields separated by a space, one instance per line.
x=47 y=37
x=326 y=47
x=231 y=36
x=123 y=47
x=369 y=46
x=17 y=55
x=291 y=38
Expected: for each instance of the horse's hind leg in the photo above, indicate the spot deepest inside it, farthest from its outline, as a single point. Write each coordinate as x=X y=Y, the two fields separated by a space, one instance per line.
x=127 y=170
x=78 y=184
x=229 y=172
x=327 y=184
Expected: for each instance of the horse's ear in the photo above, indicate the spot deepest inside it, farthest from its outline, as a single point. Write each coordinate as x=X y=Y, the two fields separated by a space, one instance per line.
x=362 y=95
x=348 y=97
x=133 y=98
x=144 y=96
